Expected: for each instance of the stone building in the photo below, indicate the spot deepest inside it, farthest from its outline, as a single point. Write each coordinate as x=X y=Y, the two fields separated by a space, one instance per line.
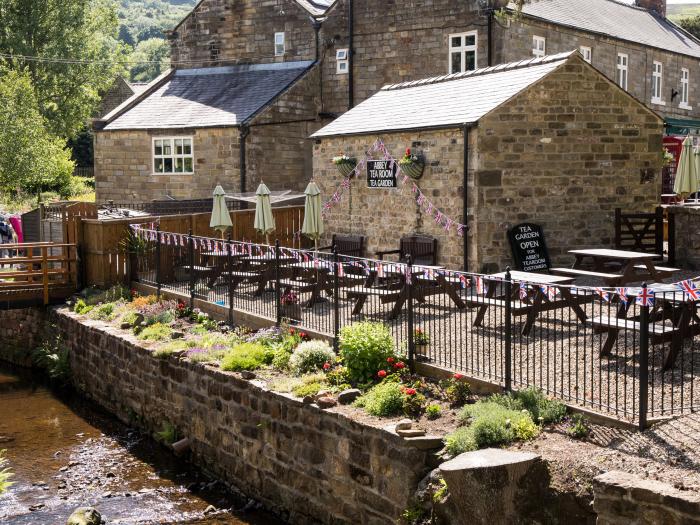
x=550 y=141
x=355 y=47
x=118 y=93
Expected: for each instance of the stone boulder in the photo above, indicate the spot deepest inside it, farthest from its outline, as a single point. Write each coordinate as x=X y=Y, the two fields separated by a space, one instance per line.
x=85 y=516
x=497 y=486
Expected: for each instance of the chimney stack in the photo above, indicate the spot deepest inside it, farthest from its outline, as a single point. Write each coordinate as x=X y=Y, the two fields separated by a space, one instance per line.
x=653 y=5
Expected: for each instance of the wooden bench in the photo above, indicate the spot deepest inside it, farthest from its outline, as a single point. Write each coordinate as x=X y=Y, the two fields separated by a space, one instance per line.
x=361 y=293
x=662 y=270
x=610 y=278
x=517 y=307
x=299 y=285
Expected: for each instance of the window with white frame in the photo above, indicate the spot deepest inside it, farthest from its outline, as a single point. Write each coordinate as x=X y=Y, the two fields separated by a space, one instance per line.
x=685 y=88
x=173 y=155
x=657 y=82
x=587 y=53
x=463 y=52
x=279 y=44
x=342 y=63
x=622 y=70
x=539 y=46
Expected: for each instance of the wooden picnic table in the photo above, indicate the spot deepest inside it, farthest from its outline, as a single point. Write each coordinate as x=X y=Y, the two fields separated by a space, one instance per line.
x=264 y=266
x=673 y=318
x=309 y=277
x=537 y=301
x=634 y=266
x=219 y=264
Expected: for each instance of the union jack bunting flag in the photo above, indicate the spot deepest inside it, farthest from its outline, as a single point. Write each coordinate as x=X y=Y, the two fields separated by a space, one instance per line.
x=404 y=179
x=523 y=291
x=479 y=285
x=429 y=208
x=336 y=197
x=438 y=217
x=551 y=292
x=327 y=205
x=460 y=230
x=448 y=224
x=646 y=297
x=622 y=293
x=429 y=273
x=305 y=257
x=340 y=270
x=380 y=270
x=690 y=289
x=414 y=188
x=346 y=183
x=464 y=281
x=605 y=295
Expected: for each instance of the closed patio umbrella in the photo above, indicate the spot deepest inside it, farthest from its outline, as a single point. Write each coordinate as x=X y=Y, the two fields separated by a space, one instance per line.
x=313 y=222
x=220 y=216
x=264 y=220
x=686 y=176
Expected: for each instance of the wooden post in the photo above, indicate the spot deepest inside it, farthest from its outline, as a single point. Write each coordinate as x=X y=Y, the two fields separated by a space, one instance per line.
x=45 y=274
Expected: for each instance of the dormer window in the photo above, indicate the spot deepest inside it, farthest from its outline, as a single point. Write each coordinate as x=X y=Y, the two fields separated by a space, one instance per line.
x=539 y=46
x=463 y=52
x=279 y=44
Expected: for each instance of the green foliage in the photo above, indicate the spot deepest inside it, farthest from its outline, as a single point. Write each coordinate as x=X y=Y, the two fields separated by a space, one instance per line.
x=155 y=332
x=82 y=30
x=31 y=158
x=53 y=357
x=542 y=409
x=81 y=307
x=457 y=390
x=580 y=427
x=413 y=514
x=150 y=58
x=168 y=434
x=5 y=473
x=338 y=377
x=413 y=403
x=364 y=348
x=490 y=424
x=130 y=317
x=104 y=312
x=433 y=412
x=441 y=492
x=280 y=358
x=383 y=400
x=245 y=356
x=307 y=389
x=310 y=356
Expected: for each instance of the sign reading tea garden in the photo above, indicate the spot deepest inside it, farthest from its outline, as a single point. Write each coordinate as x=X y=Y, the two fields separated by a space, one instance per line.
x=529 y=249
x=381 y=174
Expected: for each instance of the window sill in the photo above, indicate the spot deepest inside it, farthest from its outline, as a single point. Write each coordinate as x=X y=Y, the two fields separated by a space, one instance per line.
x=685 y=106
x=658 y=102
x=161 y=173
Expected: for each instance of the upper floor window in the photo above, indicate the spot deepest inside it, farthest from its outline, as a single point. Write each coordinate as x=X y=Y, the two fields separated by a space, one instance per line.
x=622 y=70
x=173 y=155
x=539 y=46
x=657 y=82
x=587 y=53
x=342 y=63
x=463 y=52
x=685 y=88
x=279 y=44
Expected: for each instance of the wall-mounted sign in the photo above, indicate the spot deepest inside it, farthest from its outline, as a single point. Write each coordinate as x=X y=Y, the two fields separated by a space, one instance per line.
x=529 y=249
x=381 y=174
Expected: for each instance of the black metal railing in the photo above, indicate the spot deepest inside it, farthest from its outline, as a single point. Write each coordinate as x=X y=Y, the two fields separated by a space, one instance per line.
x=592 y=347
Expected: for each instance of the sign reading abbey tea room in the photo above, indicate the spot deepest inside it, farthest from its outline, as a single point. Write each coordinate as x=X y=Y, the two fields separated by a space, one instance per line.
x=529 y=249
x=381 y=174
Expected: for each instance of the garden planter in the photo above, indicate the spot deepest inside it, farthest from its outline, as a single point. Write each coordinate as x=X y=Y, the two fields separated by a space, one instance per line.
x=413 y=169
x=346 y=168
x=421 y=351
x=291 y=311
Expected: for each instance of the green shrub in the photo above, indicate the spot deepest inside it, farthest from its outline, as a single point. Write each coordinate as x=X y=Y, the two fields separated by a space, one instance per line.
x=433 y=412
x=280 y=358
x=535 y=402
x=53 y=357
x=580 y=427
x=457 y=390
x=130 y=317
x=104 y=312
x=307 y=389
x=365 y=348
x=310 y=356
x=383 y=400
x=206 y=355
x=338 y=376
x=244 y=356
x=168 y=434
x=5 y=474
x=82 y=308
x=155 y=332
x=413 y=402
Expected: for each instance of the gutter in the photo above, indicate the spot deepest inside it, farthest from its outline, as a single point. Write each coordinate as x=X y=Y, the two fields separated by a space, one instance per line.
x=244 y=131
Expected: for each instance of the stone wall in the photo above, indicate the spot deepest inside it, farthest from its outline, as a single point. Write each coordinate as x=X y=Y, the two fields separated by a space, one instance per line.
x=20 y=331
x=310 y=466
x=687 y=232
x=564 y=154
x=624 y=499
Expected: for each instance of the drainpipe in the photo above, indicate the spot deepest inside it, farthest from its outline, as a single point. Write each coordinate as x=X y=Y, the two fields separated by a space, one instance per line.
x=351 y=56
x=244 y=131
x=489 y=44
x=465 y=182
x=317 y=29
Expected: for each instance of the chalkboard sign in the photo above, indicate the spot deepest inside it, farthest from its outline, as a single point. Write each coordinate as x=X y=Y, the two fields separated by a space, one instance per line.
x=529 y=249
x=381 y=174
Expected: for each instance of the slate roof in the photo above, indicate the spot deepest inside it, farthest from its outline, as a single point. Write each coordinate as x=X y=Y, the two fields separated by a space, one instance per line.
x=618 y=20
x=442 y=102
x=208 y=97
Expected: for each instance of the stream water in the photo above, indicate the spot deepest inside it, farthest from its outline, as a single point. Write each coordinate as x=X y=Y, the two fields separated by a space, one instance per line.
x=65 y=452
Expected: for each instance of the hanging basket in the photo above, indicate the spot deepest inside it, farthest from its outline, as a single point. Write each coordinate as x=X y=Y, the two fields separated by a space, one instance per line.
x=413 y=169
x=347 y=167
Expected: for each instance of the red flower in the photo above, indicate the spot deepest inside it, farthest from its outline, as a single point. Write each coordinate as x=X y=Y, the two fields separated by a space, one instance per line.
x=390 y=360
x=381 y=373
x=292 y=331
x=408 y=151
x=409 y=391
x=326 y=366
x=458 y=376
x=399 y=365
x=303 y=335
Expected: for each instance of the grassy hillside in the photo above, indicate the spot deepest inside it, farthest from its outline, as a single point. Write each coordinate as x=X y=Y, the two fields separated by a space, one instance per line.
x=678 y=11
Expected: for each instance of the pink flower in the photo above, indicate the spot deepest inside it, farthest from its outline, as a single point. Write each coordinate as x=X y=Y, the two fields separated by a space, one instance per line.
x=399 y=366
x=381 y=373
x=458 y=376
x=326 y=366
x=409 y=391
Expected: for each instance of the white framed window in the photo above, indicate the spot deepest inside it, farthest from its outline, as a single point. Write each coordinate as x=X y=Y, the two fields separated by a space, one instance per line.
x=622 y=70
x=587 y=53
x=463 y=52
x=657 y=82
x=685 y=89
x=279 y=44
x=539 y=46
x=342 y=63
x=173 y=155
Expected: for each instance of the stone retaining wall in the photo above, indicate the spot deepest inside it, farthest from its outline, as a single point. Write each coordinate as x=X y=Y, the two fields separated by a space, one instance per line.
x=308 y=465
x=20 y=332
x=624 y=499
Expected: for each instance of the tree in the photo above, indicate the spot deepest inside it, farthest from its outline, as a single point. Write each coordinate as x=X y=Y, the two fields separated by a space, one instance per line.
x=83 y=35
x=691 y=24
x=31 y=158
x=150 y=58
